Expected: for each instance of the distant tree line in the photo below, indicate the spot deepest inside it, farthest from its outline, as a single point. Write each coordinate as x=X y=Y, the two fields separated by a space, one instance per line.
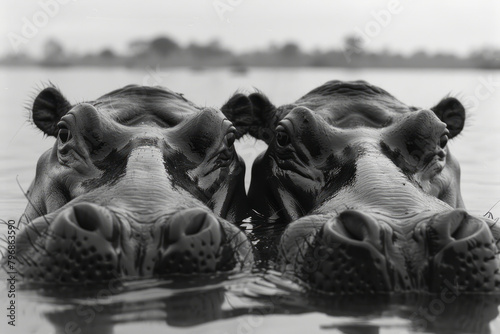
x=166 y=52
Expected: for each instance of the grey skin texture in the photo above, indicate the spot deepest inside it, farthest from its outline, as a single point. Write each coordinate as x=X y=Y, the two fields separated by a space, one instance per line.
x=139 y=183
x=370 y=190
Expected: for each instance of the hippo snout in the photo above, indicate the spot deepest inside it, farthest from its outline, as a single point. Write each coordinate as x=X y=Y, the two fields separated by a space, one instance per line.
x=90 y=243
x=459 y=248
x=449 y=228
x=188 y=242
x=83 y=242
x=194 y=241
x=369 y=252
x=352 y=253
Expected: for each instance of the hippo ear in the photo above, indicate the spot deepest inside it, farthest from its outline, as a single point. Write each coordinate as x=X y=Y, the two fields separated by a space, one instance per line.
x=251 y=114
x=48 y=108
x=265 y=113
x=238 y=109
x=452 y=112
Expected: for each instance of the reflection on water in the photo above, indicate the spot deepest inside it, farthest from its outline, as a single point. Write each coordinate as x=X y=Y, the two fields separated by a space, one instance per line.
x=249 y=302
x=260 y=301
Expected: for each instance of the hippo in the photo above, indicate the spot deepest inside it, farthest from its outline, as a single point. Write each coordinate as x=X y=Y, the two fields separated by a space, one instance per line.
x=369 y=192
x=139 y=183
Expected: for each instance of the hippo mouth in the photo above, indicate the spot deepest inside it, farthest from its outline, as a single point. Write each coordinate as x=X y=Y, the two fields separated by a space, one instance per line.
x=356 y=253
x=90 y=243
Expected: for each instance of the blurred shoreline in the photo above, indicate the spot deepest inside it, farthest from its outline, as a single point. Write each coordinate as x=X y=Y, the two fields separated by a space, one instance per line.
x=165 y=52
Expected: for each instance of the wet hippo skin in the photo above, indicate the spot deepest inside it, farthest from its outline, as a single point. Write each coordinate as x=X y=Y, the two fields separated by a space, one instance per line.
x=139 y=183
x=370 y=190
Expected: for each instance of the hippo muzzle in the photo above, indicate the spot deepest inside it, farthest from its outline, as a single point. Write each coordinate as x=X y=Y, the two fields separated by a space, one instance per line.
x=89 y=243
x=359 y=252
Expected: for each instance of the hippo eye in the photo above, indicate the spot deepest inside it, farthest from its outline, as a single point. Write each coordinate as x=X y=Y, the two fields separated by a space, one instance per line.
x=443 y=140
x=282 y=138
x=64 y=134
x=229 y=139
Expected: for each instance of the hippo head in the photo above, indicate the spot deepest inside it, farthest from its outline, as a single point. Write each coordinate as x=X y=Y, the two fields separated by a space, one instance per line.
x=371 y=188
x=139 y=182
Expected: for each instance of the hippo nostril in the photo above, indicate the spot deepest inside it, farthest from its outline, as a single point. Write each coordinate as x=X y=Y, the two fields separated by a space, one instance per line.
x=464 y=231
x=454 y=225
x=189 y=241
x=197 y=223
x=189 y=222
x=449 y=228
x=87 y=217
x=360 y=227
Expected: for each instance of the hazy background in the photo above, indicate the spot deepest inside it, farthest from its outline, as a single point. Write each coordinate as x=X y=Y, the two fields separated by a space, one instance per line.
x=245 y=25
x=371 y=33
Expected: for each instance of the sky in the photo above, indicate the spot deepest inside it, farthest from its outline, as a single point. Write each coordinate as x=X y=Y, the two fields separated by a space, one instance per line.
x=403 y=26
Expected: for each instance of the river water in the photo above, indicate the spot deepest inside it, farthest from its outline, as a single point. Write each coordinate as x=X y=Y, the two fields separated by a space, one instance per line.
x=260 y=302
